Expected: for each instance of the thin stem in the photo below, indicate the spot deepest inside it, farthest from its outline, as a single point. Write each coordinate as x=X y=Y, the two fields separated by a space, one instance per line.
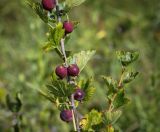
x=73 y=119
x=110 y=105
x=16 y=125
x=121 y=78
x=63 y=52
x=74 y=114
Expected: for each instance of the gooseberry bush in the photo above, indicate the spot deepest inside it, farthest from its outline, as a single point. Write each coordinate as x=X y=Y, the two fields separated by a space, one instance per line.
x=66 y=90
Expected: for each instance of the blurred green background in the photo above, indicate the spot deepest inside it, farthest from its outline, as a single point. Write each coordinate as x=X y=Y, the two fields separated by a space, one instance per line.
x=106 y=26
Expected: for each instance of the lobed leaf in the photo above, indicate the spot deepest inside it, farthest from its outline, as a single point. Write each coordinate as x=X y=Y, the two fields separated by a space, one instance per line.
x=112 y=116
x=48 y=46
x=91 y=119
x=56 y=34
x=111 y=84
x=81 y=58
x=59 y=88
x=54 y=38
x=89 y=93
x=127 y=58
x=130 y=76
x=120 y=99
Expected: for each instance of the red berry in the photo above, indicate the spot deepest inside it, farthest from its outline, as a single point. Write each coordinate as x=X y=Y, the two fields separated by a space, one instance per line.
x=73 y=70
x=68 y=26
x=48 y=4
x=79 y=94
x=66 y=115
x=61 y=71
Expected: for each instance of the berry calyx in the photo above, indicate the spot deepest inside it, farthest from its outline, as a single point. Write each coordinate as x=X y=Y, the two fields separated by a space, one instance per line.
x=66 y=115
x=68 y=26
x=79 y=94
x=61 y=71
x=73 y=70
x=48 y=4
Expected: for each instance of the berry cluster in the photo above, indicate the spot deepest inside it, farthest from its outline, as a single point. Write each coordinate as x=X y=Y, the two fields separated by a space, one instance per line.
x=63 y=71
x=70 y=71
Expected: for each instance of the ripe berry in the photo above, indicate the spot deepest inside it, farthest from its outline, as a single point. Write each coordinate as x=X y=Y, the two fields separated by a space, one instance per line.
x=48 y=4
x=68 y=26
x=61 y=71
x=66 y=115
x=73 y=70
x=79 y=94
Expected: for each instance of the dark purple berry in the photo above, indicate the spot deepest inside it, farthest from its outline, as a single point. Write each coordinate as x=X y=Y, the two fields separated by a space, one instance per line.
x=66 y=115
x=79 y=94
x=61 y=71
x=73 y=70
x=68 y=26
x=48 y=4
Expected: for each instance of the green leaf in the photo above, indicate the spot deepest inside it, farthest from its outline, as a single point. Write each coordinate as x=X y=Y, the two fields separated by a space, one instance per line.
x=130 y=76
x=127 y=58
x=81 y=58
x=37 y=7
x=112 y=116
x=48 y=46
x=85 y=84
x=120 y=99
x=111 y=84
x=60 y=89
x=56 y=34
x=89 y=92
x=91 y=119
x=73 y=3
x=54 y=38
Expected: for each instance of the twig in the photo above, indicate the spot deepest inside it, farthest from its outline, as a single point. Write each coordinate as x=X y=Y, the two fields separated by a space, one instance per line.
x=119 y=86
x=121 y=78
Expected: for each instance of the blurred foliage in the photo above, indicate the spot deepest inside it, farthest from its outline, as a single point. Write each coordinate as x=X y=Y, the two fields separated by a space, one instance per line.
x=105 y=26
